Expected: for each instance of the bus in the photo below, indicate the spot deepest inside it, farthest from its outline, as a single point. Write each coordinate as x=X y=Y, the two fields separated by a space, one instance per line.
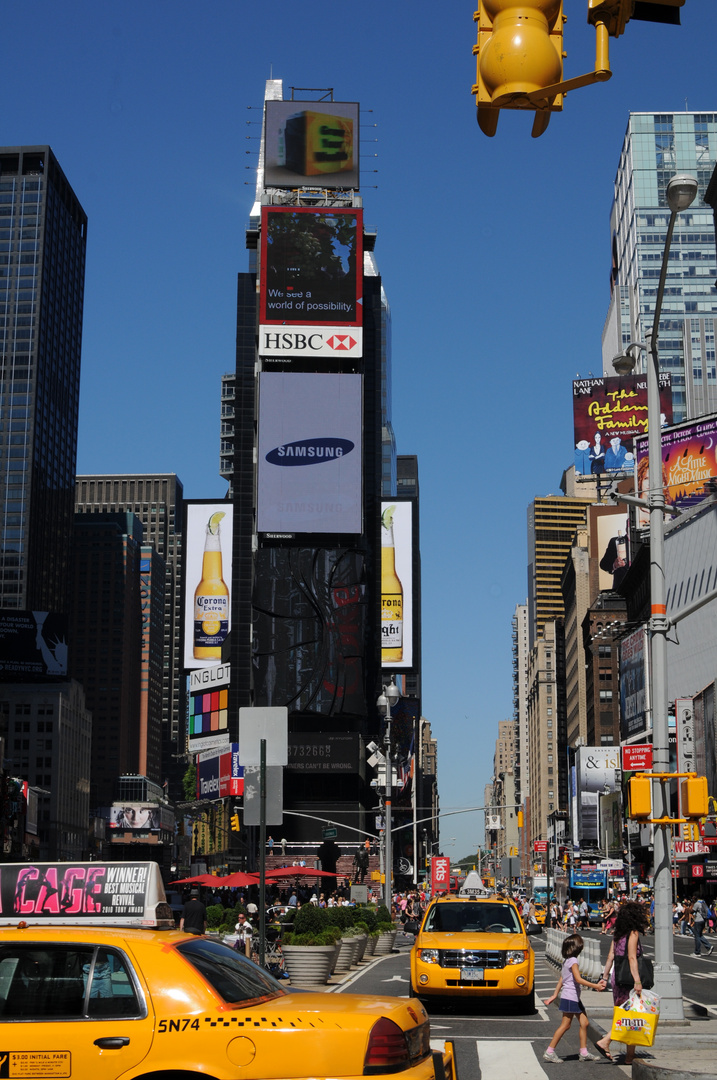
x=590 y=885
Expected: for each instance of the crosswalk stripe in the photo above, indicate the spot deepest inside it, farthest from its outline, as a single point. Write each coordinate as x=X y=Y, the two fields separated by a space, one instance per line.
x=499 y=1060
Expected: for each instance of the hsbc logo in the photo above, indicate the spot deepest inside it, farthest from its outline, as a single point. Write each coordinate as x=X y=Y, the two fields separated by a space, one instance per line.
x=310 y=341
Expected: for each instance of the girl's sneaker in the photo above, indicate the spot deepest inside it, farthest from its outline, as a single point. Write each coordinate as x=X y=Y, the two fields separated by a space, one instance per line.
x=550 y=1055
x=587 y=1056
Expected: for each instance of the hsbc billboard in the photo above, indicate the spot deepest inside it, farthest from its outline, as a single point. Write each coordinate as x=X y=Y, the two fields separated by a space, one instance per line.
x=311 y=282
x=318 y=341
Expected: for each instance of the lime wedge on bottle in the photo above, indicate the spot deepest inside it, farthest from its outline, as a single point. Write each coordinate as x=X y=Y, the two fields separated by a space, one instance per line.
x=387 y=517
x=214 y=520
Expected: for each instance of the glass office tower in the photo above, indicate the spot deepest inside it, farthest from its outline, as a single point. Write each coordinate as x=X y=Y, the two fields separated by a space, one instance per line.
x=43 y=236
x=658 y=146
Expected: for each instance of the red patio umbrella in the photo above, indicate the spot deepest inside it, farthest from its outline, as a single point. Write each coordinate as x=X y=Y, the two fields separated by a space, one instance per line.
x=236 y=880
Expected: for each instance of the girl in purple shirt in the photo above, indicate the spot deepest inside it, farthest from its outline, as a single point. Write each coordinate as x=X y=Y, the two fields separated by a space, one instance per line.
x=569 y=1003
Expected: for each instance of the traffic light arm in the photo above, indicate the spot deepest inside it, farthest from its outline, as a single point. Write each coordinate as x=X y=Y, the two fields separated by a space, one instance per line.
x=540 y=98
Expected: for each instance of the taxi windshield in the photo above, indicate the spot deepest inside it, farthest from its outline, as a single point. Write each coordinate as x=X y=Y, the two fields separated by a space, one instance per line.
x=229 y=973
x=473 y=917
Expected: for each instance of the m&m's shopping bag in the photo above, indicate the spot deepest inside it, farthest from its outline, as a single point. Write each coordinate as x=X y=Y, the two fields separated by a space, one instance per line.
x=635 y=1022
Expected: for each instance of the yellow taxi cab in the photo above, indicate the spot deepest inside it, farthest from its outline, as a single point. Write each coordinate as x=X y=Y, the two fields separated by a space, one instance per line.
x=540 y=913
x=95 y=984
x=473 y=946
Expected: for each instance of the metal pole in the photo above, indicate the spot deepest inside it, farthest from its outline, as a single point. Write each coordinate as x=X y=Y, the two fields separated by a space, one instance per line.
x=389 y=778
x=262 y=850
x=667 y=974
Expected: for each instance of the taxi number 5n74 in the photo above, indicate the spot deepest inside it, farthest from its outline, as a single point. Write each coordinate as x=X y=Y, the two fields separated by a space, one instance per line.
x=177 y=1025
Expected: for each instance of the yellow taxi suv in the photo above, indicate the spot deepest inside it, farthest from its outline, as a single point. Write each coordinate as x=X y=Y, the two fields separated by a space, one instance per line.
x=95 y=984
x=473 y=947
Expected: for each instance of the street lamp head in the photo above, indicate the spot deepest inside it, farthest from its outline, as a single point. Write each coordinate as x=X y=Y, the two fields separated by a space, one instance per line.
x=392 y=692
x=624 y=363
x=681 y=192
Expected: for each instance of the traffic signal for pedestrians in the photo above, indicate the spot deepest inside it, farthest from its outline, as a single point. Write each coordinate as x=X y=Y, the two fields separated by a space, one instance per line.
x=236 y=825
x=519 y=53
x=693 y=797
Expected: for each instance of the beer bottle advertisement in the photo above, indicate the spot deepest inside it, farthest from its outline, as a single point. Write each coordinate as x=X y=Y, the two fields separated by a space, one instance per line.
x=396 y=582
x=207 y=603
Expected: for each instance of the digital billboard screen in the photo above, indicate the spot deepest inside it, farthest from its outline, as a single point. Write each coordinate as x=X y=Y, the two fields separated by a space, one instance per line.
x=311 y=266
x=310 y=453
x=33 y=645
x=608 y=414
x=207 y=582
x=634 y=685
x=689 y=462
x=397 y=584
x=311 y=143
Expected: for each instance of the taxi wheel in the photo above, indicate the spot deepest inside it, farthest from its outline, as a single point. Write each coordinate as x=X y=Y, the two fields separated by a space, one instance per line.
x=525 y=1005
x=175 y=1074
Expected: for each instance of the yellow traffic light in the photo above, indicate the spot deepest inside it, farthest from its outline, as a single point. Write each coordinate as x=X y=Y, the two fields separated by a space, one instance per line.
x=616 y=13
x=693 y=797
x=640 y=797
x=520 y=819
x=236 y=826
x=519 y=53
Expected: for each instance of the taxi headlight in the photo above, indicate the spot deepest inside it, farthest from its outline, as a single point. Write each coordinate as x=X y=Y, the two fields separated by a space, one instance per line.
x=428 y=956
x=516 y=956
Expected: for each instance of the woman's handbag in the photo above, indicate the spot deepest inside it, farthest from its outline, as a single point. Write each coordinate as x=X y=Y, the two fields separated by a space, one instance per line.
x=623 y=975
x=635 y=1022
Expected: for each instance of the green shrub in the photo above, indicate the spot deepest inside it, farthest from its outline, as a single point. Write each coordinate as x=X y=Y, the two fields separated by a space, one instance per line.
x=311 y=920
x=326 y=937
x=383 y=915
x=215 y=916
x=367 y=915
x=341 y=916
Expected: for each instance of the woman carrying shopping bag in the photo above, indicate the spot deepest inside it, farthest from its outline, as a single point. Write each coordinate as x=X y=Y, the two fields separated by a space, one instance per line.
x=626 y=955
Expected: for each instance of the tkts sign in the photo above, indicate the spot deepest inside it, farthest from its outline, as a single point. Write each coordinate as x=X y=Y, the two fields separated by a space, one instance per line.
x=335 y=341
x=440 y=874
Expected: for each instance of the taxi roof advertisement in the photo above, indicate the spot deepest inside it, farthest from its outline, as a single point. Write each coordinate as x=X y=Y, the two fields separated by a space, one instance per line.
x=311 y=143
x=608 y=413
x=76 y=892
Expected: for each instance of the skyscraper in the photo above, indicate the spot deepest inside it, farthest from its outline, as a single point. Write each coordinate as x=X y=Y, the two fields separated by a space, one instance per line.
x=658 y=146
x=552 y=521
x=43 y=235
x=158 y=502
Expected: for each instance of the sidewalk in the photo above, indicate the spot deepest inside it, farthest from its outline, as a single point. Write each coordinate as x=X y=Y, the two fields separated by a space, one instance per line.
x=683 y=1049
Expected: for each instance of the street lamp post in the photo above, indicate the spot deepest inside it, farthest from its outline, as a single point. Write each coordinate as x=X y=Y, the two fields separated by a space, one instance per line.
x=385 y=702
x=681 y=192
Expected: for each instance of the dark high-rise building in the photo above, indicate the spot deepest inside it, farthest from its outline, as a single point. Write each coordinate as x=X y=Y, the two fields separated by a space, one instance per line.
x=158 y=502
x=43 y=235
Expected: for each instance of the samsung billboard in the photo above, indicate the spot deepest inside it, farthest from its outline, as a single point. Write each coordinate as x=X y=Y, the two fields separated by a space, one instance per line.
x=311 y=143
x=310 y=453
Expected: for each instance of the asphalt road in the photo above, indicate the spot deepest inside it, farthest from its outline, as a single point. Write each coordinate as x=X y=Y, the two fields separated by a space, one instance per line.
x=493 y=1043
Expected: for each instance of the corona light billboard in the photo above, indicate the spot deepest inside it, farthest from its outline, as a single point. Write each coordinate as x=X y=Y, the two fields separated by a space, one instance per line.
x=397 y=593
x=311 y=144
x=311 y=282
x=207 y=582
x=309 y=458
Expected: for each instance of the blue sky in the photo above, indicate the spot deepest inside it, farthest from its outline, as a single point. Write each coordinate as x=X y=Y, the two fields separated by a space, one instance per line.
x=495 y=255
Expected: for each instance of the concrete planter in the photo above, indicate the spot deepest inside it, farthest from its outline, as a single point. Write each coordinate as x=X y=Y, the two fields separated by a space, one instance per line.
x=371 y=945
x=361 y=949
x=346 y=954
x=308 y=964
x=384 y=945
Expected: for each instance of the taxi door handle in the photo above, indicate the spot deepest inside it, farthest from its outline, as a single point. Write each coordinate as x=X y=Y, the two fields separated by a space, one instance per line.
x=112 y=1042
